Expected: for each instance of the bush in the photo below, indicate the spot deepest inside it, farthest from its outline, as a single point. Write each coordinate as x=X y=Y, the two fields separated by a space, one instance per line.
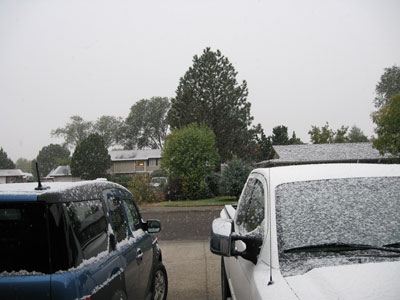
x=234 y=177
x=120 y=179
x=173 y=190
x=159 y=173
x=212 y=181
x=142 y=191
x=190 y=154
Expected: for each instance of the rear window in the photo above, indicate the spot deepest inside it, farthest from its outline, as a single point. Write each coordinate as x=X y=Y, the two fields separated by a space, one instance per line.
x=23 y=238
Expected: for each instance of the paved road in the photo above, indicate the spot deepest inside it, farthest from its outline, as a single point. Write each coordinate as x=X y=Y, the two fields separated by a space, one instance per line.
x=193 y=271
x=183 y=223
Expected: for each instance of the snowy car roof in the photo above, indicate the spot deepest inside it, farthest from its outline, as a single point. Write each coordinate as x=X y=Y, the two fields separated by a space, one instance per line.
x=56 y=191
x=325 y=153
x=279 y=175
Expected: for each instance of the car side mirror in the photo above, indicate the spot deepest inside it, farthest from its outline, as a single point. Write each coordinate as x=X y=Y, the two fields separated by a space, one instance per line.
x=223 y=241
x=153 y=226
x=221 y=231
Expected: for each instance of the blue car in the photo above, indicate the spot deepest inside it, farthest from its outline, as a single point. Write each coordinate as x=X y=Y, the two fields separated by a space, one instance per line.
x=83 y=240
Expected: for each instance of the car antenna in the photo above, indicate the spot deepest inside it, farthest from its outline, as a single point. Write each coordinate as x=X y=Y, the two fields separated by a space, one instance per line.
x=269 y=200
x=39 y=187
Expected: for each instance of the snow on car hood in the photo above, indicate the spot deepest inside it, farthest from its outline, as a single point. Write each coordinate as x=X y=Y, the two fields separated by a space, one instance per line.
x=360 y=281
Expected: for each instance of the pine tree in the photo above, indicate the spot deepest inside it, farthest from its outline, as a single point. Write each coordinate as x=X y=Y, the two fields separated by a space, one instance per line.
x=90 y=159
x=5 y=162
x=209 y=94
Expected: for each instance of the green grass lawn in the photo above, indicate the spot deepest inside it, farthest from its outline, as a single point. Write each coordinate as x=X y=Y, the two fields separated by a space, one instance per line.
x=218 y=201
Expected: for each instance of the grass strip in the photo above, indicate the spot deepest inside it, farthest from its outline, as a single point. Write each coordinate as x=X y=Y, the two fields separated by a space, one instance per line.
x=217 y=201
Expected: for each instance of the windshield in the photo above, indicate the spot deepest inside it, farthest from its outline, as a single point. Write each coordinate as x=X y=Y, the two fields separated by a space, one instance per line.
x=356 y=210
x=339 y=211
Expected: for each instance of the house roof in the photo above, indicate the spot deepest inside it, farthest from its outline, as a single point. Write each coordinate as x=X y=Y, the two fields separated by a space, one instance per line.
x=11 y=172
x=325 y=153
x=60 y=171
x=123 y=155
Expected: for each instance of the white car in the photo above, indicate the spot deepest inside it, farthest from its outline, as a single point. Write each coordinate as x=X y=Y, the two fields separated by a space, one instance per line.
x=328 y=231
x=158 y=181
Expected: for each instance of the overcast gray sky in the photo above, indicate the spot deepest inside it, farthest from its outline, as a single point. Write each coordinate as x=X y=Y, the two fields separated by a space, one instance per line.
x=306 y=62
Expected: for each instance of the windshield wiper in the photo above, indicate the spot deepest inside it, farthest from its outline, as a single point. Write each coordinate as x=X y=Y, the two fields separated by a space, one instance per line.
x=337 y=247
x=394 y=245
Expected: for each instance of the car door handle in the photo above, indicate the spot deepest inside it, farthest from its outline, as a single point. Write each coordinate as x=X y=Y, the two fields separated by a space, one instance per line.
x=139 y=255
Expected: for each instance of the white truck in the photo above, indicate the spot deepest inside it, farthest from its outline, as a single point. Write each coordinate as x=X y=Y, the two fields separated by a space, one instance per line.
x=329 y=231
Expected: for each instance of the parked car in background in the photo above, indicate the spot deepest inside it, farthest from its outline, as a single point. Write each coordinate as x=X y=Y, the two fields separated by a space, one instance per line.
x=158 y=181
x=83 y=240
x=329 y=231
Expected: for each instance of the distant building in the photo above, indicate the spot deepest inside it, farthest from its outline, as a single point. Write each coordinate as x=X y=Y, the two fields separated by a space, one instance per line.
x=133 y=162
x=12 y=176
x=326 y=153
x=61 y=174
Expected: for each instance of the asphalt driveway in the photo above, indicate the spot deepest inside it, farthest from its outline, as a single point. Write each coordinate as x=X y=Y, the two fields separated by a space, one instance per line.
x=193 y=271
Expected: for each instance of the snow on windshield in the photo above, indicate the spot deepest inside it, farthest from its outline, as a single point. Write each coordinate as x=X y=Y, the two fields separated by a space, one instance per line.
x=353 y=210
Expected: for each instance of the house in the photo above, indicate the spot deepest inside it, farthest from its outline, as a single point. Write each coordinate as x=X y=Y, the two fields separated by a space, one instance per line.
x=12 y=176
x=133 y=162
x=61 y=174
x=326 y=153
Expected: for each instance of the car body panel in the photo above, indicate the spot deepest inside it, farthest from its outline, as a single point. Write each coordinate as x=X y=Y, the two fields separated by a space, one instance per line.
x=24 y=287
x=356 y=282
x=114 y=273
x=253 y=281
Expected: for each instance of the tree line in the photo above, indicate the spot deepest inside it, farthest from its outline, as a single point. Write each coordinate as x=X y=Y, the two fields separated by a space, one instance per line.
x=207 y=123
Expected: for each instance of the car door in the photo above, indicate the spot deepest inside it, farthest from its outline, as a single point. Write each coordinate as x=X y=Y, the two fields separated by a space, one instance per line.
x=250 y=218
x=144 y=247
x=132 y=243
x=124 y=245
x=99 y=273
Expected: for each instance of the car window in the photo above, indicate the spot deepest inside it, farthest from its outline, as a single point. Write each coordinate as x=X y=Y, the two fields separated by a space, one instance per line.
x=119 y=225
x=89 y=225
x=132 y=214
x=250 y=213
x=23 y=243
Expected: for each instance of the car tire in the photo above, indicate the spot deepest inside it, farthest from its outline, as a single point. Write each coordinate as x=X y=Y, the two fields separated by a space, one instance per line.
x=226 y=292
x=159 y=288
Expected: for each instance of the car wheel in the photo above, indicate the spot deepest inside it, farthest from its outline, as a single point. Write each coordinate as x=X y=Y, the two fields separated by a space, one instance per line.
x=160 y=283
x=226 y=292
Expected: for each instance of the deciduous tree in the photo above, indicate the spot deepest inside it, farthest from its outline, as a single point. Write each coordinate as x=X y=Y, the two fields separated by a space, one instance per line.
x=109 y=128
x=387 y=87
x=50 y=157
x=74 y=132
x=24 y=165
x=323 y=135
x=387 y=122
x=146 y=125
x=209 y=94
x=340 y=135
x=90 y=159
